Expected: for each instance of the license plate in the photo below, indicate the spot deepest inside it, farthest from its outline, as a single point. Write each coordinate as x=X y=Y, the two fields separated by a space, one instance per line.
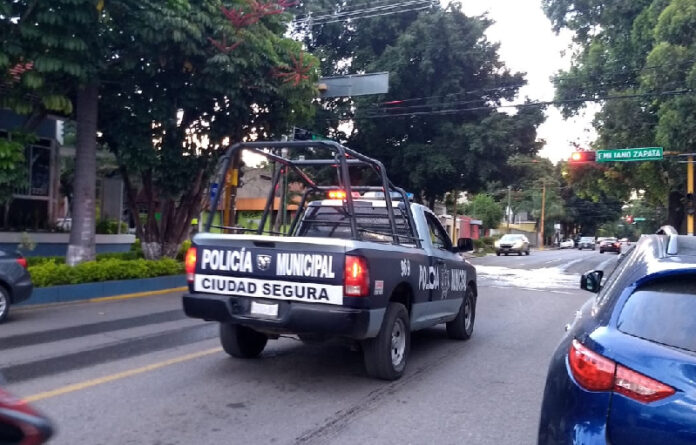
x=267 y=310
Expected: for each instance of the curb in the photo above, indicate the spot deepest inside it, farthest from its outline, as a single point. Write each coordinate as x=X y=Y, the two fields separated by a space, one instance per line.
x=106 y=290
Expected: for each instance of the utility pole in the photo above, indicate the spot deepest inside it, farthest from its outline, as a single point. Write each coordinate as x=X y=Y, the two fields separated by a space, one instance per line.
x=454 y=218
x=543 y=212
x=690 y=192
x=509 y=210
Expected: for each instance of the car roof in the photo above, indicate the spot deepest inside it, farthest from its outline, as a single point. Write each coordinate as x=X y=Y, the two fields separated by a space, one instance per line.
x=661 y=253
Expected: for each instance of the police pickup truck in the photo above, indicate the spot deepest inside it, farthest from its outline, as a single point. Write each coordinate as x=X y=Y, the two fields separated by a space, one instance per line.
x=365 y=264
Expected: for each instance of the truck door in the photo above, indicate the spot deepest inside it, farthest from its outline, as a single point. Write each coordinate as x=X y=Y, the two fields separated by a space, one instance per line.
x=442 y=261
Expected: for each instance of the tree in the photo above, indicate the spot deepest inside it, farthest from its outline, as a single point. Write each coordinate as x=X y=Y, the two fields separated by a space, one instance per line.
x=645 y=49
x=56 y=47
x=195 y=77
x=438 y=60
x=484 y=207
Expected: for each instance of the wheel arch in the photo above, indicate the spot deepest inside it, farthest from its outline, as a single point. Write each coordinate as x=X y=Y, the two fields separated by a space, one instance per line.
x=403 y=293
x=8 y=289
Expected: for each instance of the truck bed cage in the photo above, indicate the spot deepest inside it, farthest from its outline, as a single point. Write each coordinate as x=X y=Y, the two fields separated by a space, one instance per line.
x=342 y=158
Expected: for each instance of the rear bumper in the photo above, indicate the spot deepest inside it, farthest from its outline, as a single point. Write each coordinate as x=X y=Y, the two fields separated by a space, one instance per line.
x=293 y=317
x=21 y=290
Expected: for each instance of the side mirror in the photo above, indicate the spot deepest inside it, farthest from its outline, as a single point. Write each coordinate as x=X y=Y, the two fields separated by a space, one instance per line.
x=592 y=281
x=465 y=245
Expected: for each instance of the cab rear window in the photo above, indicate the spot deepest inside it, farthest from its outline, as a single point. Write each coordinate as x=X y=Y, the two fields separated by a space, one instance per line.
x=372 y=222
x=663 y=312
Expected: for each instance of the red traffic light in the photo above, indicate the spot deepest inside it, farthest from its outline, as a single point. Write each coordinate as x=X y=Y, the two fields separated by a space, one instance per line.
x=583 y=156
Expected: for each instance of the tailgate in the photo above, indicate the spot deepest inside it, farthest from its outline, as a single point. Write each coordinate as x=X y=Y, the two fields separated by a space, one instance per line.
x=279 y=268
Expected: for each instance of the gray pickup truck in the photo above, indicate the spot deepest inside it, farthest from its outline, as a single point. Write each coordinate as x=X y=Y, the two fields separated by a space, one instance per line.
x=365 y=264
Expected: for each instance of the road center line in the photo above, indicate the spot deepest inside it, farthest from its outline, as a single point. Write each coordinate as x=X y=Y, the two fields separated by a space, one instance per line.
x=118 y=376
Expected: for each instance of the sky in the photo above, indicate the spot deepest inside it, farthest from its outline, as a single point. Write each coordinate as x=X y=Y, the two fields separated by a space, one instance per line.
x=528 y=44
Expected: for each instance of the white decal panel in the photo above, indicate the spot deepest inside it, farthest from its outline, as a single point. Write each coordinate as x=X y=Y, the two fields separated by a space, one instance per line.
x=277 y=290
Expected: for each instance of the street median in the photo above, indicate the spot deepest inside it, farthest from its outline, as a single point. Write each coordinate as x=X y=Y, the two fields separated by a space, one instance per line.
x=105 y=289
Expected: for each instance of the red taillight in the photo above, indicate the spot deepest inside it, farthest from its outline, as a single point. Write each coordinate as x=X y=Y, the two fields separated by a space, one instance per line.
x=190 y=264
x=356 y=277
x=597 y=373
x=592 y=371
x=639 y=387
x=337 y=194
x=22 y=262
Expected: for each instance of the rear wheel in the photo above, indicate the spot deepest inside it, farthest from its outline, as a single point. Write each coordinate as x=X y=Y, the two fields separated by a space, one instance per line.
x=240 y=341
x=601 y=251
x=4 y=304
x=462 y=327
x=386 y=355
x=497 y=252
x=527 y=252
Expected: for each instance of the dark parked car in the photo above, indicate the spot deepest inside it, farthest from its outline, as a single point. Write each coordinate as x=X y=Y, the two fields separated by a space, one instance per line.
x=625 y=371
x=610 y=245
x=15 y=282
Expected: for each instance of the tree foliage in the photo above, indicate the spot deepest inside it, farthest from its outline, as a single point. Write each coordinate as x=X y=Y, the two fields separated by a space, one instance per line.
x=484 y=207
x=645 y=48
x=189 y=82
x=439 y=60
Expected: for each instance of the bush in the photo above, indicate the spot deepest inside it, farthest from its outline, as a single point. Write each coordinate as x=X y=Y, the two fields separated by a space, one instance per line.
x=183 y=249
x=110 y=227
x=53 y=273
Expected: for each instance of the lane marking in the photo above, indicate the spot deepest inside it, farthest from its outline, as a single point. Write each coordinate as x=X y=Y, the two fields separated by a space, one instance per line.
x=119 y=376
x=138 y=295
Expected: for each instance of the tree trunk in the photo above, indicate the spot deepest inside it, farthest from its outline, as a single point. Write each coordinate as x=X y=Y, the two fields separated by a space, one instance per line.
x=676 y=215
x=82 y=235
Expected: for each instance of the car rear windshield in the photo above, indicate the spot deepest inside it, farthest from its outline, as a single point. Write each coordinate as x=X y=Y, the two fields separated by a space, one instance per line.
x=587 y=239
x=663 y=312
x=372 y=222
x=511 y=238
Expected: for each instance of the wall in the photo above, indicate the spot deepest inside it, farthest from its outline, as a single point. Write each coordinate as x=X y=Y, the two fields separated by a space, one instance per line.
x=56 y=244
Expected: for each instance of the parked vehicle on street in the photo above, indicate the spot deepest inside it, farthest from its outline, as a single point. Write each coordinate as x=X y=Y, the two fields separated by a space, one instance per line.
x=20 y=424
x=512 y=243
x=15 y=281
x=610 y=245
x=586 y=242
x=624 y=372
x=365 y=265
x=566 y=244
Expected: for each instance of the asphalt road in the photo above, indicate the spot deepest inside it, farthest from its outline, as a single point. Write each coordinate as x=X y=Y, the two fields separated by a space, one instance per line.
x=138 y=372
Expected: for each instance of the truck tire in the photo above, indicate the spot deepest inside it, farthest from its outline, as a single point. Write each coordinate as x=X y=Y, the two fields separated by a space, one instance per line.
x=4 y=304
x=386 y=355
x=462 y=327
x=240 y=341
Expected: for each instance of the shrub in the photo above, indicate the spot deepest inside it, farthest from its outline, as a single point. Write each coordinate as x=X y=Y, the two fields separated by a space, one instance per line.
x=110 y=227
x=183 y=249
x=53 y=273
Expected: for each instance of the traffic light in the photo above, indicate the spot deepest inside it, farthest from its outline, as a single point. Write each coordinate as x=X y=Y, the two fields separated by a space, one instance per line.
x=580 y=157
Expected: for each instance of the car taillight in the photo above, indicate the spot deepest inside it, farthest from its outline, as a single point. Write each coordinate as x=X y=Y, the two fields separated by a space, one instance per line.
x=639 y=387
x=592 y=371
x=22 y=262
x=597 y=373
x=190 y=264
x=356 y=277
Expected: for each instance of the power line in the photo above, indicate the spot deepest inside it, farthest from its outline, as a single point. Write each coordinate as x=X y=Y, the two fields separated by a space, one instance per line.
x=343 y=9
x=531 y=104
x=396 y=8
x=364 y=10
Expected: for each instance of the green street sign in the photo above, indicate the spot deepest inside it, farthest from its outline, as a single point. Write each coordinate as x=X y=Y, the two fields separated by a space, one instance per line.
x=638 y=219
x=630 y=154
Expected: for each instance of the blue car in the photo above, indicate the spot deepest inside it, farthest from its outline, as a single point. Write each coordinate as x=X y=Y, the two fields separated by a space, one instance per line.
x=625 y=373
